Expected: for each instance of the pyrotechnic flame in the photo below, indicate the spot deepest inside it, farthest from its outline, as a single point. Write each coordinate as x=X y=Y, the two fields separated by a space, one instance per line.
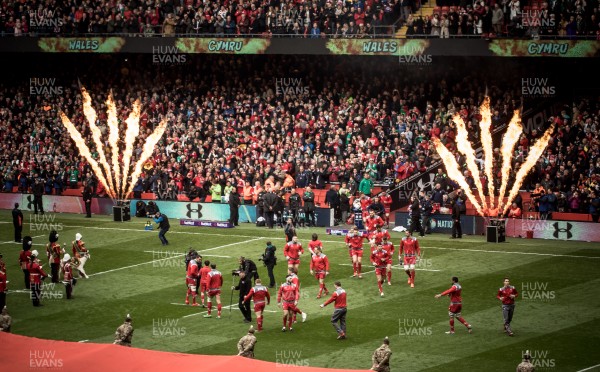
x=146 y=152
x=487 y=144
x=133 y=130
x=85 y=152
x=117 y=185
x=464 y=146
x=90 y=115
x=509 y=140
x=113 y=139
x=454 y=172
x=534 y=154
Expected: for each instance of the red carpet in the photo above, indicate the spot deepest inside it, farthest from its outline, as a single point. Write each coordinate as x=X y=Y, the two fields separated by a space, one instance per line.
x=20 y=353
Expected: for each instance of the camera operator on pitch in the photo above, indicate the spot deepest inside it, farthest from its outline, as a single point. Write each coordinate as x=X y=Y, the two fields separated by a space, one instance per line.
x=249 y=268
x=269 y=260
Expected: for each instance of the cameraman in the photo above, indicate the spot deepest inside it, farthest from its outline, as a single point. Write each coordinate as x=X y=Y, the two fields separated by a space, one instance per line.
x=270 y=260
x=244 y=286
x=249 y=268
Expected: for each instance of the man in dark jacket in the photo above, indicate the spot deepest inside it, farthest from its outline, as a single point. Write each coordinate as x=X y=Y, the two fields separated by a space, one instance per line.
x=270 y=206
x=163 y=224
x=234 y=204
x=88 y=193
x=244 y=286
x=38 y=192
x=270 y=260
x=17 y=216
x=456 y=227
x=295 y=201
x=415 y=216
x=309 y=206
x=332 y=198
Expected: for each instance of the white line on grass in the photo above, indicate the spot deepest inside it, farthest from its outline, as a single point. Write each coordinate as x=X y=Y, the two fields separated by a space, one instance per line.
x=589 y=368
x=228 y=245
x=206 y=312
x=334 y=241
x=168 y=258
x=83 y=341
x=514 y=252
x=206 y=255
x=395 y=267
x=33 y=237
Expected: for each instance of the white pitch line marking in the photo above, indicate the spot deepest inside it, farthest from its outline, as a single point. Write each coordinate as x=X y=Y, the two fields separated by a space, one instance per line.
x=589 y=368
x=83 y=341
x=335 y=242
x=168 y=258
x=206 y=312
x=395 y=267
x=513 y=252
x=166 y=252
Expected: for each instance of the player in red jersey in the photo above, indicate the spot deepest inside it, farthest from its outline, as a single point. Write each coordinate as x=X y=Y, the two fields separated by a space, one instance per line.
x=409 y=247
x=365 y=201
x=293 y=273
x=506 y=295
x=289 y=294
x=314 y=243
x=379 y=259
x=379 y=234
x=292 y=252
x=354 y=242
x=261 y=297
x=204 y=281
x=339 y=314
x=373 y=221
x=388 y=246
x=455 y=305
x=191 y=278
x=319 y=267
x=386 y=200
x=215 y=282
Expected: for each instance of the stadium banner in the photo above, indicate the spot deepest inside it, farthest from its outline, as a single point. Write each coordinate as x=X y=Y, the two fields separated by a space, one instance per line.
x=389 y=47
x=56 y=203
x=198 y=211
x=545 y=48
x=409 y=51
x=442 y=223
x=222 y=45
x=81 y=45
x=553 y=230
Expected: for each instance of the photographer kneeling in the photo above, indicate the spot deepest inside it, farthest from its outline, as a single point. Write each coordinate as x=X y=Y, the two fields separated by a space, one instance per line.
x=249 y=268
x=270 y=260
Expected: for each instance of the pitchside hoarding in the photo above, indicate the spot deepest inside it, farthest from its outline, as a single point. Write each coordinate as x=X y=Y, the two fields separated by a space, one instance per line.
x=56 y=204
x=554 y=230
x=199 y=211
x=442 y=223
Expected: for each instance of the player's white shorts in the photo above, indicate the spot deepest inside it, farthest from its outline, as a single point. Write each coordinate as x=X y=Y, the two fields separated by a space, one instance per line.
x=409 y=267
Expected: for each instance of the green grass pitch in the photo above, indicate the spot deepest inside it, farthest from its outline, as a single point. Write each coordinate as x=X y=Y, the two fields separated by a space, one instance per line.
x=556 y=316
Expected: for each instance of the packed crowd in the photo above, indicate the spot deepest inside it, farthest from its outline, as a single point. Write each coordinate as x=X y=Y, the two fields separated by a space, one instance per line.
x=513 y=18
x=169 y=18
x=237 y=129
